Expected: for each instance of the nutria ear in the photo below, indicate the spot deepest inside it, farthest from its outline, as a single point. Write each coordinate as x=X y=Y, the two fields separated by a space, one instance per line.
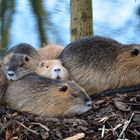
x=63 y=88
x=135 y=52
x=26 y=58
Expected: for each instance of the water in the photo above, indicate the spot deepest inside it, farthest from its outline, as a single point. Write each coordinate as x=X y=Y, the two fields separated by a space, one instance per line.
x=117 y=19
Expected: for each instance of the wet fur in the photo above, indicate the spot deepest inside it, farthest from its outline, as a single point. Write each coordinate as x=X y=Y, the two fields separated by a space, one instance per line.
x=50 y=52
x=3 y=83
x=46 y=97
x=98 y=63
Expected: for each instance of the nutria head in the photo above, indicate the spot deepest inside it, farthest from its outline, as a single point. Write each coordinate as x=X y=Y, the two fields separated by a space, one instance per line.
x=52 y=69
x=128 y=66
x=15 y=66
x=68 y=99
x=47 y=97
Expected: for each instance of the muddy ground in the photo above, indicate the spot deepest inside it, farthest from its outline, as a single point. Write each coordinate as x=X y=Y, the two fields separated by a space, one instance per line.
x=111 y=118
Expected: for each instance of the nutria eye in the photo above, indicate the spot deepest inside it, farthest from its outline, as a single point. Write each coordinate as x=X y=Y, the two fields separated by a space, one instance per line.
x=27 y=58
x=135 y=52
x=63 y=88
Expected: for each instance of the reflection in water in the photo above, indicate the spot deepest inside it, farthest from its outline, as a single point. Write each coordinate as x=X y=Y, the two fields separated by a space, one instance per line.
x=119 y=19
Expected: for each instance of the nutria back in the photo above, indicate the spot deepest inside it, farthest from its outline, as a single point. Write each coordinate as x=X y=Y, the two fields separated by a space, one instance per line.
x=49 y=52
x=99 y=63
x=47 y=97
x=92 y=52
x=23 y=48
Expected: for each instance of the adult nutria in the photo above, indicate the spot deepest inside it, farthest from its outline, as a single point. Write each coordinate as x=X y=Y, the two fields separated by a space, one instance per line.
x=47 y=97
x=3 y=83
x=98 y=63
x=19 y=61
x=52 y=69
x=49 y=52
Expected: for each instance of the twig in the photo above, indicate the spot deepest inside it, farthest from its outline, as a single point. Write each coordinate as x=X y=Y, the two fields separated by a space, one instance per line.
x=28 y=128
x=47 y=129
x=126 y=125
x=104 y=119
x=123 y=139
x=117 y=126
x=103 y=131
x=112 y=129
x=76 y=137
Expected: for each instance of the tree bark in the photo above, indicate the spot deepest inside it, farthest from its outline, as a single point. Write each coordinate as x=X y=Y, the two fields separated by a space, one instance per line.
x=7 y=9
x=81 y=19
x=40 y=14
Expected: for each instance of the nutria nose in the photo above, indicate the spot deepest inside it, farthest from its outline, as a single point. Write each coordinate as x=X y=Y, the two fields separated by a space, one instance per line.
x=89 y=103
x=57 y=70
x=11 y=73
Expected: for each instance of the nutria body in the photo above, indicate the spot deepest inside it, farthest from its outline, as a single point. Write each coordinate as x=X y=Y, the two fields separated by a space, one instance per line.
x=49 y=52
x=23 y=48
x=52 y=69
x=98 y=63
x=20 y=60
x=3 y=83
x=47 y=97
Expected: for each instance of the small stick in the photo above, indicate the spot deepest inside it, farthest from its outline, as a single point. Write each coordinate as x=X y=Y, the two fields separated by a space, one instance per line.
x=116 y=127
x=103 y=131
x=104 y=119
x=126 y=125
x=41 y=126
x=28 y=128
x=76 y=137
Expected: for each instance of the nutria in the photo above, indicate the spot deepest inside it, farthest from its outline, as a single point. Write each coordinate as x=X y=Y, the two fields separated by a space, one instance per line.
x=52 y=69
x=47 y=97
x=49 y=52
x=3 y=82
x=98 y=63
x=19 y=61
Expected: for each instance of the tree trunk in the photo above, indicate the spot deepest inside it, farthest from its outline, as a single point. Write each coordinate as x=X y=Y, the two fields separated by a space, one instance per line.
x=81 y=18
x=40 y=15
x=7 y=9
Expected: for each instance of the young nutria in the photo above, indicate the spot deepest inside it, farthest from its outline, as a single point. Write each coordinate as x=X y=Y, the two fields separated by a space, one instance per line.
x=19 y=61
x=52 y=69
x=98 y=63
x=47 y=97
x=49 y=52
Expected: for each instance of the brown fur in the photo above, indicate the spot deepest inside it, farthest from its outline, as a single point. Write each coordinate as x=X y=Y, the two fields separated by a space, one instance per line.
x=3 y=83
x=47 y=97
x=47 y=68
x=98 y=63
x=20 y=60
x=50 y=52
